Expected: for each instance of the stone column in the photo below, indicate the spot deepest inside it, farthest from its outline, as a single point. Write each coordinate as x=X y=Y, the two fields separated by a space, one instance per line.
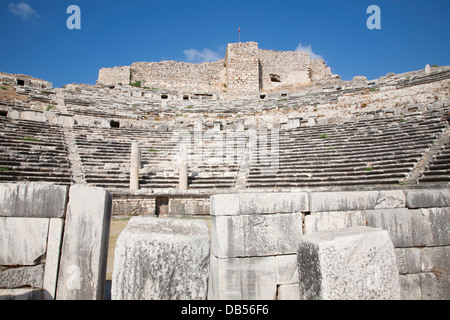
x=427 y=69
x=135 y=166
x=183 y=175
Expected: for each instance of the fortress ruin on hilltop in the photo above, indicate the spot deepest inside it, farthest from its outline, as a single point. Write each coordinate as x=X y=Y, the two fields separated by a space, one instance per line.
x=245 y=71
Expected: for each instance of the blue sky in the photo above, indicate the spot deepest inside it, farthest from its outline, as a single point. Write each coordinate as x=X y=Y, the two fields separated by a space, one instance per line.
x=36 y=41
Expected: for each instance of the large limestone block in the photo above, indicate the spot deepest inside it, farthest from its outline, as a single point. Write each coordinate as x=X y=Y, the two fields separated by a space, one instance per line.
x=258 y=203
x=427 y=198
x=40 y=200
x=356 y=200
x=29 y=276
x=255 y=235
x=23 y=241
x=405 y=227
x=253 y=278
x=347 y=264
x=322 y=221
x=161 y=259
x=84 y=249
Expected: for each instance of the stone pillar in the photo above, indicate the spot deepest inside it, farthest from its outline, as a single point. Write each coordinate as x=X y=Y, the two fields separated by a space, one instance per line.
x=183 y=175
x=135 y=166
x=427 y=69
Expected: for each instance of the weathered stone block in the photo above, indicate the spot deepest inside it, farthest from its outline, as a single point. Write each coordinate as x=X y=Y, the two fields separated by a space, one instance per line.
x=85 y=244
x=435 y=259
x=243 y=279
x=434 y=287
x=287 y=269
x=21 y=294
x=427 y=198
x=54 y=241
x=30 y=276
x=255 y=235
x=348 y=263
x=288 y=292
x=436 y=226
x=161 y=259
x=410 y=287
x=408 y=260
x=23 y=241
x=258 y=203
x=360 y=200
x=333 y=220
x=39 y=200
x=405 y=226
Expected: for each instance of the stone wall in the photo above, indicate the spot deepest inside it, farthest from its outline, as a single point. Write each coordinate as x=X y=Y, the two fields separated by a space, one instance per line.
x=284 y=67
x=242 y=68
x=23 y=80
x=53 y=241
x=114 y=76
x=160 y=204
x=180 y=76
x=254 y=236
x=244 y=72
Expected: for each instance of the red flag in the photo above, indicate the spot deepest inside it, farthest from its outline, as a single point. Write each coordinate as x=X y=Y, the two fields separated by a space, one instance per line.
x=239 y=29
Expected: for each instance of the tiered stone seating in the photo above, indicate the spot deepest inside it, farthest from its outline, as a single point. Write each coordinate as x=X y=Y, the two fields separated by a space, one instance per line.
x=33 y=151
x=105 y=157
x=381 y=151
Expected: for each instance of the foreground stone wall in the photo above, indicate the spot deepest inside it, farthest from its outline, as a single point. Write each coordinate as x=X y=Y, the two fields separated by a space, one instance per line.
x=53 y=241
x=254 y=236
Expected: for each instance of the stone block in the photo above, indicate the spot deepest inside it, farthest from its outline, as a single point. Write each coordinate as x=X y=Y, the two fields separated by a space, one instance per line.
x=23 y=241
x=410 y=287
x=427 y=198
x=408 y=260
x=356 y=200
x=259 y=203
x=161 y=259
x=348 y=263
x=29 y=276
x=434 y=287
x=435 y=259
x=322 y=221
x=288 y=292
x=405 y=226
x=251 y=278
x=21 y=294
x=85 y=244
x=287 y=272
x=255 y=235
x=54 y=241
x=436 y=223
x=39 y=200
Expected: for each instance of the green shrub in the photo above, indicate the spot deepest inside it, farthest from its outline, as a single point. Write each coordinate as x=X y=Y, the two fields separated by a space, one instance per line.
x=137 y=84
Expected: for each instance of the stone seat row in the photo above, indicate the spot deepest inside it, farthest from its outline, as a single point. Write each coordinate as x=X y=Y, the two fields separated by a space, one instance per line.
x=33 y=151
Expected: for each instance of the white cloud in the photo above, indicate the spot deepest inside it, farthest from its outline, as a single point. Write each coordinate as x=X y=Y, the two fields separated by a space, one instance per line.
x=308 y=50
x=23 y=10
x=206 y=55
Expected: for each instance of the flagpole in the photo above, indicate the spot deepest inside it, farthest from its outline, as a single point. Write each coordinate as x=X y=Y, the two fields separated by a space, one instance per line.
x=239 y=29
